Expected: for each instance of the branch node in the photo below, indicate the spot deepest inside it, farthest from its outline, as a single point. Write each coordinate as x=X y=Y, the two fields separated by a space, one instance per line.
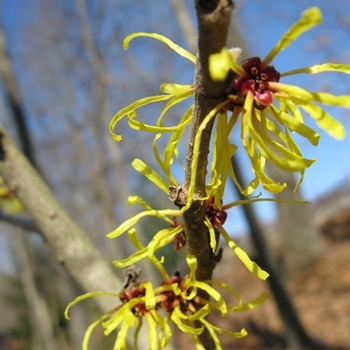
x=213 y=7
x=208 y=6
x=53 y=214
x=178 y=195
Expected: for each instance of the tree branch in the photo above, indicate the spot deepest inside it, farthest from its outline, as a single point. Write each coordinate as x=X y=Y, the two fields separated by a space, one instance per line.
x=18 y=221
x=14 y=99
x=213 y=22
x=67 y=242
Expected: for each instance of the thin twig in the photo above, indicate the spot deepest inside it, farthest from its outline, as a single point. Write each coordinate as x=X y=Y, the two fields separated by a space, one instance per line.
x=25 y=224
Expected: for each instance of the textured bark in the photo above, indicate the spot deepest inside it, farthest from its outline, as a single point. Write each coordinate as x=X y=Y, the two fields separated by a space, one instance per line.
x=213 y=22
x=67 y=242
x=41 y=322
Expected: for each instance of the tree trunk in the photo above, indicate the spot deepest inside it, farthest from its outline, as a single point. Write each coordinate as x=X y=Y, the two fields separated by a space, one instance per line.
x=302 y=243
x=295 y=335
x=13 y=98
x=41 y=323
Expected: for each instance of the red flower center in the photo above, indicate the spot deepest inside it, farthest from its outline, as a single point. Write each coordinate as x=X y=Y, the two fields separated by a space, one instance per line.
x=256 y=82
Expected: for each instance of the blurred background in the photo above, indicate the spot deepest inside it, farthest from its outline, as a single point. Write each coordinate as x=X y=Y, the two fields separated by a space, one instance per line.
x=65 y=74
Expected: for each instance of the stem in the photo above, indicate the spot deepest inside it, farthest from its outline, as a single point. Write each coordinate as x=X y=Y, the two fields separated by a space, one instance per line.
x=213 y=22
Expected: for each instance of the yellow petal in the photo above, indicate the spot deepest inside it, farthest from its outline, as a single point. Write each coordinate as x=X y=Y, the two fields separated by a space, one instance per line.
x=171 y=147
x=165 y=167
x=121 y=342
x=252 y=304
x=192 y=264
x=221 y=305
x=140 y=126
x=197 y=141
x=149 y=296
x=123 y=315
x=212 y=237
x=134 y=239
x=131 y=109
x=163 y=237
x=295 y=125
x=92 y=326
x=289 y=161
x=300 y=95
x=319 y=68
x=172 y=88
x=228 y=288
x=202 y=312
x=176 y=317
x=220 y=63
x=176 y=98
x=211 y=330
x=242 y=333
x=325 y=121
x=179 y=50
x=222 y=153
x=310 y=18
x=159 y=240
x=136 y=199
x=165 y=328
x=86 y=296
x=242 y=255
x=126 y=225
x=258 y=167
x=293 y=109
x=151 y=175
x=132 y=259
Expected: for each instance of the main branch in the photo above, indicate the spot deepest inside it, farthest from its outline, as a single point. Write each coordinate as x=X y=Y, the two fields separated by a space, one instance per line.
x=213 y=22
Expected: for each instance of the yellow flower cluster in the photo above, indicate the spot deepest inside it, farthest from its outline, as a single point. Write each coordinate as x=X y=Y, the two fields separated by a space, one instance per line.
x=8 y=201
x=180 y=299
x=269 y=113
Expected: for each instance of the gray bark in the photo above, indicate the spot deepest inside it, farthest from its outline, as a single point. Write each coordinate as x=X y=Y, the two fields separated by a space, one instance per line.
x=40 y=319
x=68 y=243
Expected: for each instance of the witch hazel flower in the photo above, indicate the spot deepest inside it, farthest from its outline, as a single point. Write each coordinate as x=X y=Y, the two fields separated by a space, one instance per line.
x=256 y=81
x=177 y=299
x=271 y=111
